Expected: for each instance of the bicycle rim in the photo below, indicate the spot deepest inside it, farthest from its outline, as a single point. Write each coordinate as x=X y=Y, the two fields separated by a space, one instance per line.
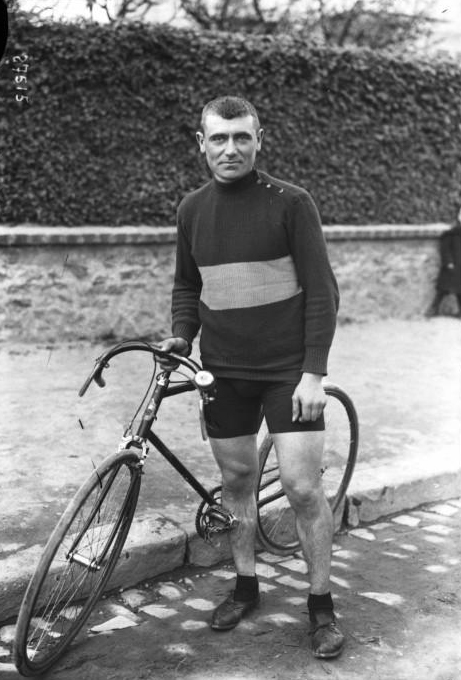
x=276 y=519
x=341 y=445
x=77 y=563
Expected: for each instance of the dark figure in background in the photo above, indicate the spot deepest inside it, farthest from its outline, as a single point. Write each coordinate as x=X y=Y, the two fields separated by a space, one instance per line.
x=449 y=278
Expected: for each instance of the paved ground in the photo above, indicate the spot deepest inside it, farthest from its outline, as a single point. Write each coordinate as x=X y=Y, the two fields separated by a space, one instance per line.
x=402 y=375
x=396 y=587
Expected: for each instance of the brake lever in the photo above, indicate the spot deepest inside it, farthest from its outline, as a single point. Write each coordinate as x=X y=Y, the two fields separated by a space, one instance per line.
x=99 y=380
x=201 y=408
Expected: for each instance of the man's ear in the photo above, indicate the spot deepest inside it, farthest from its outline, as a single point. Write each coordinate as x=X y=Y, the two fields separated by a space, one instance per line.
x=200 y=141
x=259 y=137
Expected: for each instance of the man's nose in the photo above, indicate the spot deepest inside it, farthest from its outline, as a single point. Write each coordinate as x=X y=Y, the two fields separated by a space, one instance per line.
x=230 y=149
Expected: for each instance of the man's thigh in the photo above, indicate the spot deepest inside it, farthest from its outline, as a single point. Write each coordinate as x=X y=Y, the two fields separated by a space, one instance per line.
x=237 y=457
x=233 y=420
x=300 y=456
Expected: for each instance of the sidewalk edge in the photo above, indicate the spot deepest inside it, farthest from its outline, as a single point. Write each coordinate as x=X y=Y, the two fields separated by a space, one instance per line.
x=151 y=551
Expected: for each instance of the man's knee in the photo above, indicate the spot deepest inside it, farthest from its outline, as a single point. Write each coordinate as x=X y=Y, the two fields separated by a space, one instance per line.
x=239 y=478
x=238 y=461
x=304 y=495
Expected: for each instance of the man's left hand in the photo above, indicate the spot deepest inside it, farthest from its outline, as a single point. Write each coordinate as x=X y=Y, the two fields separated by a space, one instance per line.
x=309 y=398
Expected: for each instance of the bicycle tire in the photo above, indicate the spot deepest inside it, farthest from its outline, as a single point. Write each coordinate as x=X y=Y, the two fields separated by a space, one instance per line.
x=276 y=519
x=77 y=563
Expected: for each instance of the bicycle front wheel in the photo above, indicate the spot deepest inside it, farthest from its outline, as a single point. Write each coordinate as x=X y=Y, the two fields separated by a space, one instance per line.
x=276 y=519
x=77 y=563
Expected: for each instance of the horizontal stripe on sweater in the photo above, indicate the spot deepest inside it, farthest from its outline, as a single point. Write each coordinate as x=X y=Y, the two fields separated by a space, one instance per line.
x=249 y=284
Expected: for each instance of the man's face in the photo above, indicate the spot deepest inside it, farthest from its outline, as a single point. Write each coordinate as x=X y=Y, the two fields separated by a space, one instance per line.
x=230 y=146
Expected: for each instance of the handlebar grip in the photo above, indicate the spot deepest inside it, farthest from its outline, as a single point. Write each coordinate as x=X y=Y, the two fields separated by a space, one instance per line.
x=99 y=380
x=85 y=386
x=96 y=375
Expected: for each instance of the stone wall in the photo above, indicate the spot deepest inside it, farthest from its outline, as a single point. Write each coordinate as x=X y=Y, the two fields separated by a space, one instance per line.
x=92 y=283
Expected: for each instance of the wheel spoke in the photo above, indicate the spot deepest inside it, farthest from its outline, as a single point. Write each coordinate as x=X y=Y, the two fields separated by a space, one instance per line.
x=77 y=563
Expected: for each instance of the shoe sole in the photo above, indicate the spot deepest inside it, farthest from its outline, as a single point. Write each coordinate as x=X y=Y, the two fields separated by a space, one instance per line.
x=231 y=626
x=223 y=629
x=331 y=655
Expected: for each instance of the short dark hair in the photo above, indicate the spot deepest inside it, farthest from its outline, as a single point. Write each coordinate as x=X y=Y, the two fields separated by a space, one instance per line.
x=230 y=107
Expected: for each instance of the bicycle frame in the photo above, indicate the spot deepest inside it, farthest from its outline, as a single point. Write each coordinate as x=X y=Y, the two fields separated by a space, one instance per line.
x=162 y=390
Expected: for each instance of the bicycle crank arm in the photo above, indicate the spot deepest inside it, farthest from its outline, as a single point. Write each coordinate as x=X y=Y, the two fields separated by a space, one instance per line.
x=222 y=519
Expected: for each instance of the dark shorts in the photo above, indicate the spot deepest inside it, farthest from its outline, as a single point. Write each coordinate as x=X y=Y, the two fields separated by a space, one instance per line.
x=239 y=405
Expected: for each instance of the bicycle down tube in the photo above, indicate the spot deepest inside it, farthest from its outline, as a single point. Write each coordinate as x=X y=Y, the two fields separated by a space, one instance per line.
x=161 y=391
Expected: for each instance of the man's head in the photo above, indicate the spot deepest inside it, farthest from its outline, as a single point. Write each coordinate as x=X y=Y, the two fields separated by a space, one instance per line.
x=230 y=137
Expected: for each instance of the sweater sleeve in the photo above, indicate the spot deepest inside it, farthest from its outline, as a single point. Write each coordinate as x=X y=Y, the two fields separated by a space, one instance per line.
x=315 y=275
x=186 y=289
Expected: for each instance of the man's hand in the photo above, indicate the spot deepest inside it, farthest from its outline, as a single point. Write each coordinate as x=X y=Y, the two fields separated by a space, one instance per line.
x=309 y=398
x=178 y=346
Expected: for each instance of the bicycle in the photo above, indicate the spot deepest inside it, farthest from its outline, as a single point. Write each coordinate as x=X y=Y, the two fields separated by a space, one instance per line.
x=82 y=551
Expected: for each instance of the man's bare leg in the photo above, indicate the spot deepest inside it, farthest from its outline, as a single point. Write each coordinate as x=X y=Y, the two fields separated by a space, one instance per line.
x=237 y=458
x=300 y=459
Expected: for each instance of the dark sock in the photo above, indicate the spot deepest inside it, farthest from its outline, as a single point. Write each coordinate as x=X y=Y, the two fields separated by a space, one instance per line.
x=317 y=603
x=246 y=588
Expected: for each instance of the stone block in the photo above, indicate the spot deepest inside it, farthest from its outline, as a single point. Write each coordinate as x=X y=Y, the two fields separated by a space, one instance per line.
x=117 y=623
x=203 y=554
x=373 y=500
x=154 y=546
x=15 y=572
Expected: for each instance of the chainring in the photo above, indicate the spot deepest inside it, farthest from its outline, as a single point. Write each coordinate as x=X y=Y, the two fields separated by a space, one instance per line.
x=203 y=523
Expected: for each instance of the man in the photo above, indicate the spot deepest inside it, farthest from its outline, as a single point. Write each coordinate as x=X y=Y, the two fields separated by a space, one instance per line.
x=449 y=277
x=252 y=271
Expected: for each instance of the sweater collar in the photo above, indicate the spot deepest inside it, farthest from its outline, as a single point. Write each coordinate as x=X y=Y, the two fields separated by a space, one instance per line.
x=240 y=184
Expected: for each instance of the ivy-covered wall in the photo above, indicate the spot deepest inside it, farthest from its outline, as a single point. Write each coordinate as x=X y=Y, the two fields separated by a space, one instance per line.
x=108 y=134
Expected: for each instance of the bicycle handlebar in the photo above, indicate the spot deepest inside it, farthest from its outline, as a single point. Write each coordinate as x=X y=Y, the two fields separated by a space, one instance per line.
x=102 y=362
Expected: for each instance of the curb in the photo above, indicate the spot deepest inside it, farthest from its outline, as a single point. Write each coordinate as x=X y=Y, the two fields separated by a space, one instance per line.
x=156 y=544
x=375 y=502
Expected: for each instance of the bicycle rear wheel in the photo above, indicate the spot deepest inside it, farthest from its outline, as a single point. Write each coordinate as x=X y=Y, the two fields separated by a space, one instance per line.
x=276 y=519
x=77 y=563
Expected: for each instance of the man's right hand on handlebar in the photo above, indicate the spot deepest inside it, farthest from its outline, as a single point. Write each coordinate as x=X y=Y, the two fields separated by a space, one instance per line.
x=178 y=346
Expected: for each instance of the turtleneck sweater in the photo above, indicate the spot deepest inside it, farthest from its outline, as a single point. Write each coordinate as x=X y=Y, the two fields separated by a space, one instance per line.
x=252 y=271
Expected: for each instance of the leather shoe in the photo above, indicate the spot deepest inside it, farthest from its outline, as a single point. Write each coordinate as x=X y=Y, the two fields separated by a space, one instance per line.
x=327 y=638
x=229 y=613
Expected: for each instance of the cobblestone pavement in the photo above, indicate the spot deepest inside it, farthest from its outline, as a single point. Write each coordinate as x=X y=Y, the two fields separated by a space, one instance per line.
x=395 y=583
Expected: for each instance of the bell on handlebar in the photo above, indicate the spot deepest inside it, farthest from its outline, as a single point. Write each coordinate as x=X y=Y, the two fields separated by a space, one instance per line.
x=204 y=380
